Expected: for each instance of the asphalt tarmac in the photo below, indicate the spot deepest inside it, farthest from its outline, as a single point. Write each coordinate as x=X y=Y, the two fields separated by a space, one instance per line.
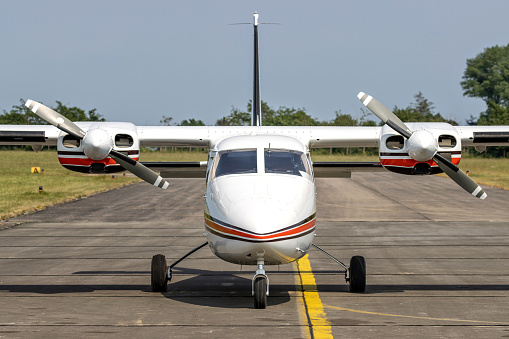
x=437 y=264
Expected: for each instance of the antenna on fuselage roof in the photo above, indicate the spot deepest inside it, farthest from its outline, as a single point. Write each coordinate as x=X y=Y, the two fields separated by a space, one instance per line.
x=256 y=105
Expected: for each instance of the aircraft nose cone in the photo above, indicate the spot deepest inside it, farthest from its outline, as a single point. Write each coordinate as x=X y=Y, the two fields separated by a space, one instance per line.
x=265 y=204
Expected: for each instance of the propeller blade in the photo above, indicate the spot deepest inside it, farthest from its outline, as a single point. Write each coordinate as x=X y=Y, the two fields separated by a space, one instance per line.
x=460 y=177
x=55 y=118
x=385 y=114
x=139 y=170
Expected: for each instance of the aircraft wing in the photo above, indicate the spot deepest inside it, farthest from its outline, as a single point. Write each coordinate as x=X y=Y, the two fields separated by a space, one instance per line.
x=188 y=169
x=484 y=135
x=28 y=135
x=206 y=136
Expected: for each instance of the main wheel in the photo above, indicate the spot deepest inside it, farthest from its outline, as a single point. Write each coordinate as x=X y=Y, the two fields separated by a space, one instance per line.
x=260 y=292
x=357 y=274
x=158 y=278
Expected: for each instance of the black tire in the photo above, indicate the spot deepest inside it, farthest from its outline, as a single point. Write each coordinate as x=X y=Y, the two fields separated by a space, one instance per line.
x=357 y=274
x=158 y=277
x=260 y=293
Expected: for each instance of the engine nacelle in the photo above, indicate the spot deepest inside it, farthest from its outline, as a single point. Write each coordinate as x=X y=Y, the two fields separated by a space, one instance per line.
x=394 y=148
x=123 y=138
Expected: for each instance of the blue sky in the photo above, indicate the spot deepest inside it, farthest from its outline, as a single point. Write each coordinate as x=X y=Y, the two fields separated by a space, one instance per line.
x=137 y=61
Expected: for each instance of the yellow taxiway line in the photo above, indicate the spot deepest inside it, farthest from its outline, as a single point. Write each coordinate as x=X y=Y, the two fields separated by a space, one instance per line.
x=310 y=306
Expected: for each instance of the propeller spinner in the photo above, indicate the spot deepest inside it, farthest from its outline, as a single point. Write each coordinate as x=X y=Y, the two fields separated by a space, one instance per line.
x=422 y=145
x=96 y=143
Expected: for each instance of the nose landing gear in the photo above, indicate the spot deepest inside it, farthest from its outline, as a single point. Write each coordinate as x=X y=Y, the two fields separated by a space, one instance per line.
x=260 y=288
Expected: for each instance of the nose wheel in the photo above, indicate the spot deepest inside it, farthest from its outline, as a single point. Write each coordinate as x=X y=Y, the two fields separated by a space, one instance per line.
x=260 y=289
x=260 y=292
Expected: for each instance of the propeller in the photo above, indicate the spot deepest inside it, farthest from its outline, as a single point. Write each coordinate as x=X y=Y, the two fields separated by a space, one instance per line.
x=97 y=144
x=422 y=145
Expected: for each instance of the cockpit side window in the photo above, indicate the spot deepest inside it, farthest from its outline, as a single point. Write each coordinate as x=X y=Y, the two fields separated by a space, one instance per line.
x=286 y=162
x=234 y=162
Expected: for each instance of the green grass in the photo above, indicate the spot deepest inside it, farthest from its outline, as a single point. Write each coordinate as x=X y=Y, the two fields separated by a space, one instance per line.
x=19 y=190
x=486 y=171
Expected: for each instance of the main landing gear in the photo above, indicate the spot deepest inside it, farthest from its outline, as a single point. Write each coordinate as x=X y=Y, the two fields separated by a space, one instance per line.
x=160 y=273
x=355 y=275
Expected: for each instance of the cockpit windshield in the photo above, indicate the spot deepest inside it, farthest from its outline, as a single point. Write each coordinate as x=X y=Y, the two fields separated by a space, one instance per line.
x=235 y=162
x=286 y=162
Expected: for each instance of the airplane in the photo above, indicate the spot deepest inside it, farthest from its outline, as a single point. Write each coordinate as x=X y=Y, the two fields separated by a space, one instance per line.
x=260 y=205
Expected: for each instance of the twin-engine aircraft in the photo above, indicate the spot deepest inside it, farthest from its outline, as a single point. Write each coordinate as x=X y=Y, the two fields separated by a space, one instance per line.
x=260 y=206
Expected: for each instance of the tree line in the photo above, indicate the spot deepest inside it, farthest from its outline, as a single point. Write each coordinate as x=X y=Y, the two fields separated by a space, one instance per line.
x=422 y=110
x=21 y=115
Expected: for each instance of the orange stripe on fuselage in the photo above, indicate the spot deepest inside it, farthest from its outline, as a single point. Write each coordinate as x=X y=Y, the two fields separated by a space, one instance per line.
x=229 y=231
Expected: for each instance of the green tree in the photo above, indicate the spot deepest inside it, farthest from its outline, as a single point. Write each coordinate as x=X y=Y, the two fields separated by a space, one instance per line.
x=284 y=116
x=78 y=114
x=166 y=121
x=422 y=105
x=342 y=120
x=487 y=76
x=235 y=118
x=495 y=115
x=21 y=115
x=18 y=115
x=191 y=122
x=422 y=110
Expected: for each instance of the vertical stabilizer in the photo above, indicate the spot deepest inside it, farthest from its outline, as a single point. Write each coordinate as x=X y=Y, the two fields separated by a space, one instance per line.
x=256 y=105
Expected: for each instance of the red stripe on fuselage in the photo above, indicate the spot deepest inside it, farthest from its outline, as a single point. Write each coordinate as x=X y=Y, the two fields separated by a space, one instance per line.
x=273 y=236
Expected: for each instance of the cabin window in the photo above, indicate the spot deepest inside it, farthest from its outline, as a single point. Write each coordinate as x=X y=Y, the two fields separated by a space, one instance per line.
x=286 y=162
x=237 y=161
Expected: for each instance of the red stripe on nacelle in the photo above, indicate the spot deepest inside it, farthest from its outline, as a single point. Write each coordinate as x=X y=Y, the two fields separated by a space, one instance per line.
x=411 y=162
x=87 y=161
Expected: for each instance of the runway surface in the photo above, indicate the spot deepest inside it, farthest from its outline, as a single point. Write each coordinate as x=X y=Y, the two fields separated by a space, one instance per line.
x=437 y=264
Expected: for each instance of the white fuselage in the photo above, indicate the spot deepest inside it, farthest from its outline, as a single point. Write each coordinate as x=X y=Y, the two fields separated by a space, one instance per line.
x=260 y=200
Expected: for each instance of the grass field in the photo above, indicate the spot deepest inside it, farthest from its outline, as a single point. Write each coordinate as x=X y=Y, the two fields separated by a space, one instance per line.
x=19 y=189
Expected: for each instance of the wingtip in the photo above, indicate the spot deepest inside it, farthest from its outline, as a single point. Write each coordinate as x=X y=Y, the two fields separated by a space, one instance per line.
x=360 y=95
x=28 y=103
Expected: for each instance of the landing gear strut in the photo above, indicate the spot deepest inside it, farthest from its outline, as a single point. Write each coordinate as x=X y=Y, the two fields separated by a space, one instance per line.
x=160 y=273
x=355 y=275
